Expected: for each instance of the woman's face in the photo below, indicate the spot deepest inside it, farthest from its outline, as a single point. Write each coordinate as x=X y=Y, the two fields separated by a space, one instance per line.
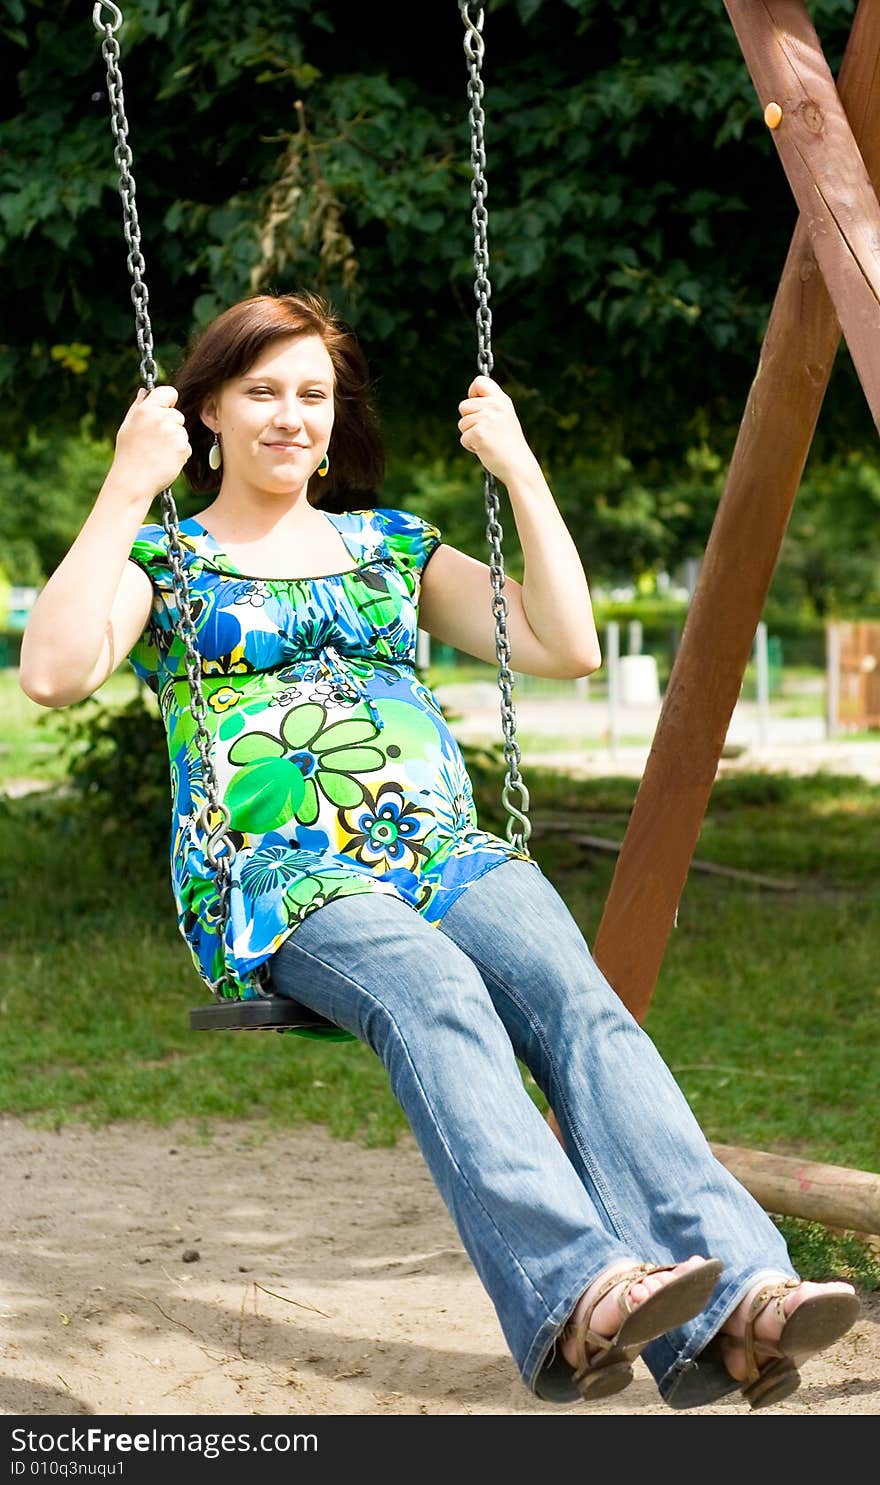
x=275 y=421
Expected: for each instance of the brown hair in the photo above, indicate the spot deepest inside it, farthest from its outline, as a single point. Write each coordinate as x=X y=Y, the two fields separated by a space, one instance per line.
x=231 y=343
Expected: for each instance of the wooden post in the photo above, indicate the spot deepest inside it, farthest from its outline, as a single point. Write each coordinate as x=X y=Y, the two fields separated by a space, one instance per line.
x=824 y=167
x=831 y=1194
x=771 y=450
x=832 y=680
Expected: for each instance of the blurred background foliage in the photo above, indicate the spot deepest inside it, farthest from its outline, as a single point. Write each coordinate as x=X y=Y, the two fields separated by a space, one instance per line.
x=639 y=219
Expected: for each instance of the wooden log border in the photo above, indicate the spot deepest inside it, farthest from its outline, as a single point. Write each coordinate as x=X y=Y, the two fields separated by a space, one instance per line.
x=784 y=1186
x=831 y=1194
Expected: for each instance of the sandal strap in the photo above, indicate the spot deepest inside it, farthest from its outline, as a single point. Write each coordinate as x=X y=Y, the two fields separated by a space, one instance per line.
x=589 y=1338
x=642 y=1271
x=775 y=1293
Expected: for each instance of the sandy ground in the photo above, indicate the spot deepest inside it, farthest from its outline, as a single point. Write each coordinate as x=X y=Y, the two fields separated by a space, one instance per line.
x=329 y=1280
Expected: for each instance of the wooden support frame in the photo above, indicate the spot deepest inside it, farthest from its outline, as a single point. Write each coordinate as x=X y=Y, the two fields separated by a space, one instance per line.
x=828 y=139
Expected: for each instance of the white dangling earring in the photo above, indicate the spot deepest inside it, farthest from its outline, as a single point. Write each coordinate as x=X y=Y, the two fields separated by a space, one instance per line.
x=215 y=453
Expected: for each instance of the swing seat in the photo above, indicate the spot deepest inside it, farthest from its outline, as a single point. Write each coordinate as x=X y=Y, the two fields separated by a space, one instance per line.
x=265 y=1013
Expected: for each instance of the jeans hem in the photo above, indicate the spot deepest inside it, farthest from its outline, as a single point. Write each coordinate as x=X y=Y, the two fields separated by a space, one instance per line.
x=698 y=1375
x=545 y=1370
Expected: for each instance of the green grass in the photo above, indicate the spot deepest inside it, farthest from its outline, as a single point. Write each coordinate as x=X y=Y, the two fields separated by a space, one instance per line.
x=29 y=735
x=96 y=987
x=766 y=1007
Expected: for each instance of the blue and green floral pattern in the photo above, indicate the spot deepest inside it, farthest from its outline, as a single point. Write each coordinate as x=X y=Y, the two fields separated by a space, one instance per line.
x=335 y=761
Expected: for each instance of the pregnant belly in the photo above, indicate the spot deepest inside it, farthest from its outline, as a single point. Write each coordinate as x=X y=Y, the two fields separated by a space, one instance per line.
x=328 y=778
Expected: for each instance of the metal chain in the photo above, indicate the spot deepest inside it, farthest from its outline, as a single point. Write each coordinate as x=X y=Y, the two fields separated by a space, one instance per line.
x=220 y=850
x=474 y=49
x=214 y=816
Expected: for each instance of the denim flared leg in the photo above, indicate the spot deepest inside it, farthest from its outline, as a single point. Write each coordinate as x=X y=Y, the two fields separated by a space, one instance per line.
x=374 y=966
x=628 y=1128
x=509 y=975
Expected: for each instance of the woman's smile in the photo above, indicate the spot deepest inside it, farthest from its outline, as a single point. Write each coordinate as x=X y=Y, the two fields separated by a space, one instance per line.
x=283 y=403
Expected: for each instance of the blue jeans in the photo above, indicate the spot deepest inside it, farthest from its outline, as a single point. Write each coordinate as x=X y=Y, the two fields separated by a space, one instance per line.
x=449 y=1007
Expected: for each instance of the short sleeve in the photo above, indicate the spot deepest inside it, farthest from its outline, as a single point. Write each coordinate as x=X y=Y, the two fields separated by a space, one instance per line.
x=150 y=552
x=410 y=540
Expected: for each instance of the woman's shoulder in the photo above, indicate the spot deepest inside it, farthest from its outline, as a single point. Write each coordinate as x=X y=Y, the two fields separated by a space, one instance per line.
x=403 y=533
x=387 y=532
x=398 y=521
x=410 y=538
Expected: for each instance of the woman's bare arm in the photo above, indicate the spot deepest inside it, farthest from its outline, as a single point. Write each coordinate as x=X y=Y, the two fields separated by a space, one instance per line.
x=96 y=603
x=551 y=628
x=90 y=613
x=455 y=607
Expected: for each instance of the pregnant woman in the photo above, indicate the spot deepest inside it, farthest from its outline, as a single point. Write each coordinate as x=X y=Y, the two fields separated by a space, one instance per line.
x=362 y=885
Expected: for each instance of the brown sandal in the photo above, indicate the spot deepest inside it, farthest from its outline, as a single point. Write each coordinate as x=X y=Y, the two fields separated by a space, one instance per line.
x=815 y=1324
x=604 y=1364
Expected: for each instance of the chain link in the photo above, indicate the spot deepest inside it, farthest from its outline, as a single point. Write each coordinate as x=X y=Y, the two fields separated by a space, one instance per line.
x=214 y=817
x=514 y=784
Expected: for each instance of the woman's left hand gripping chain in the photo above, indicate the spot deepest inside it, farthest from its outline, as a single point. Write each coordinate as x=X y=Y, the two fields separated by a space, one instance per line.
x=490 y=429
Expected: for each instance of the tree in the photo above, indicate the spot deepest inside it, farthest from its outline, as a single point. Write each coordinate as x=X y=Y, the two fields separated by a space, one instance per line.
x=638 y=222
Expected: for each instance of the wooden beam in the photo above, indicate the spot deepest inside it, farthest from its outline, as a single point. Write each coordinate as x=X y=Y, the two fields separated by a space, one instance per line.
x=774 y=439
x=824 y=166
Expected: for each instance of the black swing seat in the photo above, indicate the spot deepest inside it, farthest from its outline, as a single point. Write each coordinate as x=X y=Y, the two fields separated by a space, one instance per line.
x=266 y=1013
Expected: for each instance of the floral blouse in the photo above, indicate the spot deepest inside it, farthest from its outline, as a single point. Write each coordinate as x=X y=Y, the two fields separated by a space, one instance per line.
x=334 y=759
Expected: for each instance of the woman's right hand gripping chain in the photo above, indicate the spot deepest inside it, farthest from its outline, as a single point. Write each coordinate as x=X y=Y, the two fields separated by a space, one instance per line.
x=152 y=445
